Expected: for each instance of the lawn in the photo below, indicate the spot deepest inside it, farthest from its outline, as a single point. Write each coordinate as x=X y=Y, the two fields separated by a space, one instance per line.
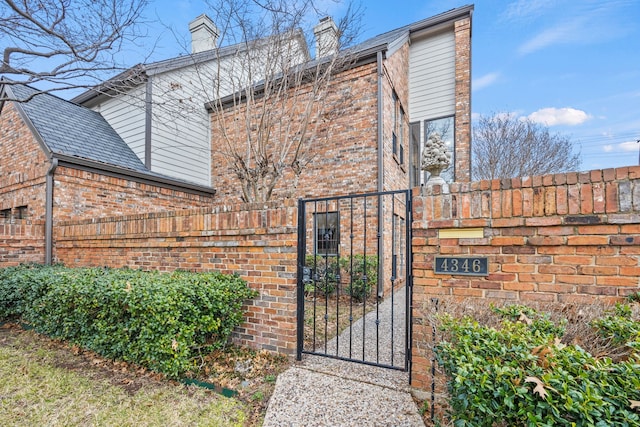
x=47 y=382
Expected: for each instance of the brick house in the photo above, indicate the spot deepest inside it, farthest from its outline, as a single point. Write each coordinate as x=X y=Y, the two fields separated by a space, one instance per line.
x=61 y=161
x=397 y=88
x=382 y=104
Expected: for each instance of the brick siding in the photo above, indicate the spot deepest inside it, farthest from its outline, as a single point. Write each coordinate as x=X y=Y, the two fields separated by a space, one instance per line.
x=21 y=241
x=556 y=239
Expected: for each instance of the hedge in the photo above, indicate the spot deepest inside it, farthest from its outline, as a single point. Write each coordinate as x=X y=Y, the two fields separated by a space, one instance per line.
x=521 y=374
x=158 y=320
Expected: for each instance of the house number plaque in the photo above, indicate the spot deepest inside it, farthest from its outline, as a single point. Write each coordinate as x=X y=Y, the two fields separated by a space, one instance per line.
x=468 y=266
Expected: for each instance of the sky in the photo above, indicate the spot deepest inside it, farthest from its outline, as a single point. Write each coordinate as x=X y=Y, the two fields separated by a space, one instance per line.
x=572 y=65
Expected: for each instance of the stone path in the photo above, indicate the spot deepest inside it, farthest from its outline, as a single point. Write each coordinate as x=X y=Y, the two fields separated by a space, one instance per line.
x=321 y=391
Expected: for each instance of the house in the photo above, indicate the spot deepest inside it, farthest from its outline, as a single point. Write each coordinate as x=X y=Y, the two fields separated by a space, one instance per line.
x=62 y=161
x=383 y=102
x=384 y=98
x=158 y=108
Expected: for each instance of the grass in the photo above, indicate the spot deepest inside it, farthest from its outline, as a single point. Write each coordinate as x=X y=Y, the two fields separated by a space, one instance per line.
x=47 y=382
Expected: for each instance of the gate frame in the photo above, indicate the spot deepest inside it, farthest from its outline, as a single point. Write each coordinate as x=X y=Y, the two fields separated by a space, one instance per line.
x=302 y=246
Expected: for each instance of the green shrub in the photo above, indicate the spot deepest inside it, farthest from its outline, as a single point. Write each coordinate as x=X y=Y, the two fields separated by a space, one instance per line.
x=363 y=273
x=325 y=275
x=161 y=321
x=619 y=326
x=520 y=374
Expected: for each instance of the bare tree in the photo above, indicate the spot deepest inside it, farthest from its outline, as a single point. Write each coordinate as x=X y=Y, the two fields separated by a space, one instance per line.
x=266 y=131
x=506 y=146
x=64 y=44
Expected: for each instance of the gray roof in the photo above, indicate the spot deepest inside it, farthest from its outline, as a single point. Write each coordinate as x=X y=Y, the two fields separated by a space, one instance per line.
x=72 y=130
x=81 y=136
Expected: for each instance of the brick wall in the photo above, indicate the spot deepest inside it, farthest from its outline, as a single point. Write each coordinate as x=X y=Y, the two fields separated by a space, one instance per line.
x=23 y=166
x=557 y=239
x=21 y=241
x=342 y=154
x=256 y=242
x=80 y=194
x=462 y=29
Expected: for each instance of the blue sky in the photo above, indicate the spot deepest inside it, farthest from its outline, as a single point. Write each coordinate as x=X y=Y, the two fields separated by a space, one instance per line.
x=573 y=65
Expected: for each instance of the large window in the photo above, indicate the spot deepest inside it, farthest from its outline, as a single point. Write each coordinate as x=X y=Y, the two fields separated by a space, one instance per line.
x=445 y=126
x=327 y=233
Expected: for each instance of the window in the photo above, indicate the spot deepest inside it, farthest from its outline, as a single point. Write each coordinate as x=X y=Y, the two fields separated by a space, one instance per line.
x=327 y=233
x=445 y=127
x=394 y=129
x=22 y=212
x=5 y=213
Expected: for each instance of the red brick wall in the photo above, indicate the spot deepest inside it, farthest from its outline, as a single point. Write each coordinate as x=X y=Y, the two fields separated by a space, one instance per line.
x=462 y=30
x=23 y=165
x=79 y=195
x=256 y=242
x=21 y=241
x=565 y=238
x=343 y=154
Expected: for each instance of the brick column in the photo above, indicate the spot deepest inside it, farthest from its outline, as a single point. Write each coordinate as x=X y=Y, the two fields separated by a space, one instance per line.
x=463 y=99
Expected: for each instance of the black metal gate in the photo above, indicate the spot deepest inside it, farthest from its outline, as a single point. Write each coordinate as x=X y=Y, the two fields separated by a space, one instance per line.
x=354 y=278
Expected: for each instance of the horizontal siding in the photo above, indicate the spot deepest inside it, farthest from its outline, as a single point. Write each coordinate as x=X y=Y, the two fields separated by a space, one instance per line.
x=432 y=77
x=126 y=114
x=180 y=126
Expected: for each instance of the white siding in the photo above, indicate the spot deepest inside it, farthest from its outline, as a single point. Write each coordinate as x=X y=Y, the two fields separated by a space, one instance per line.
x=432 y=77
x=126 y=116
x=180 y=124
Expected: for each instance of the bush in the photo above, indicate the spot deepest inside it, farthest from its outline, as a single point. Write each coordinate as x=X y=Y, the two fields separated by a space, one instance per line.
x=521 y=374
x=325 y=275
x=363 y=272
x=161 y=321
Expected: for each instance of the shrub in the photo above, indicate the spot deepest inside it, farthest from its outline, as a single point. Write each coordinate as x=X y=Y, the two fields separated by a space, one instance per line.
x=325 y=275
x=363 y=272
x=161 y=321
x=520 y=374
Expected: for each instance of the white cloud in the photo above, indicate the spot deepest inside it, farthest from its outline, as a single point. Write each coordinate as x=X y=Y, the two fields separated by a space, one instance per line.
x=526 y=9
x=629 y=146
x=484 y=81
x=567 y=32
x=607 y=148
x=559 y=116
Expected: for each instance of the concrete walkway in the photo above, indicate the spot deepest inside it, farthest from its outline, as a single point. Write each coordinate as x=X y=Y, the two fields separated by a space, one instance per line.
x=321 y=391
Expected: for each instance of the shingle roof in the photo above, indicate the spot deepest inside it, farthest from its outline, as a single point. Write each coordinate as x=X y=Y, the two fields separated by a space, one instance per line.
x=72 y=130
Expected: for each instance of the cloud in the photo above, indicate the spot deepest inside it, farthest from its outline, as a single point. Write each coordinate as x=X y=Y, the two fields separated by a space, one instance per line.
x=559 y=116
x=629 y=146
x=607 y=148
x=567 y=32
x=526 y=9
x=484 y=81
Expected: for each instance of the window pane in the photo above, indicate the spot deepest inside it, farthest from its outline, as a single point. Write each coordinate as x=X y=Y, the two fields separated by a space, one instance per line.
x=327 y=233
x=445 y=127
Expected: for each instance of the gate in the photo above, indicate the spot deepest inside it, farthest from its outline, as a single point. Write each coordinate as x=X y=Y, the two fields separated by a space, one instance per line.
x=354 y=278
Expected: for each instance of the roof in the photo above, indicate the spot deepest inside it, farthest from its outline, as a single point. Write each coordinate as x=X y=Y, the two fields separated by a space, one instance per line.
x=81 y=136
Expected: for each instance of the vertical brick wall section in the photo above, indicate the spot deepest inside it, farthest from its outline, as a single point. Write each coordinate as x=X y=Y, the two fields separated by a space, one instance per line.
x=21 y=241
x=257 y=242
x=557 y=239
x=462 y=29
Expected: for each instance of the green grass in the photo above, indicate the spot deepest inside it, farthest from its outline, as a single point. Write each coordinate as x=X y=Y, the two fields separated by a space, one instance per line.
x=33 y=391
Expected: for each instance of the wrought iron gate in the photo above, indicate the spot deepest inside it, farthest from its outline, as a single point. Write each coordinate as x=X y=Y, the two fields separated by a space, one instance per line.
x=354 y=278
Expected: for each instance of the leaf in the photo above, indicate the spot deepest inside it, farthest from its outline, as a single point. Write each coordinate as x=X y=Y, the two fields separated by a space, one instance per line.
x=524 y=319
x=539 y=388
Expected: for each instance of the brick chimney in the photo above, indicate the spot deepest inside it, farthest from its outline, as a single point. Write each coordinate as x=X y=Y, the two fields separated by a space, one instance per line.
x=204 y=34
x=326 y=33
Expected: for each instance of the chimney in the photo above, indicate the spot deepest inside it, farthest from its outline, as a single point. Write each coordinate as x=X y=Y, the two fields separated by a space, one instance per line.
x=326 y=33
x=204 y=34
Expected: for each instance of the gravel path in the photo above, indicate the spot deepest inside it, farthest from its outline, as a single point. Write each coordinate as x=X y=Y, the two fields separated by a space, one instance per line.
x=321 y=391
